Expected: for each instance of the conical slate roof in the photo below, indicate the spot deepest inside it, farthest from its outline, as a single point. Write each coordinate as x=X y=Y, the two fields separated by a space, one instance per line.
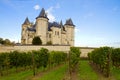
x=69 y=22
x=61 y=24
x=42 y=14
x=26 y=21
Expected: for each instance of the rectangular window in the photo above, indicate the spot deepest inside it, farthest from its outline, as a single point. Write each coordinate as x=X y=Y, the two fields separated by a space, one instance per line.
x=57 y=33
x=49 y=35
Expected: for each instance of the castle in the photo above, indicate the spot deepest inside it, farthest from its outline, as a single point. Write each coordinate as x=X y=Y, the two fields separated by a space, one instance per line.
x=54 y=32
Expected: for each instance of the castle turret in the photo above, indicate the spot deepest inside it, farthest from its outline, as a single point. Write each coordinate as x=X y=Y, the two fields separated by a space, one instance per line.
x=26 y=22
x=25 y=25
x=69 y=27
x=42 y=26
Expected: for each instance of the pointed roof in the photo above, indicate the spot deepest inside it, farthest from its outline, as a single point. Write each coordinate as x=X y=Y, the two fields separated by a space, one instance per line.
x=26 y=21
x=42 y=14
x=61 y=24
x=32 y=28
x=69 y=22
x=56 y=24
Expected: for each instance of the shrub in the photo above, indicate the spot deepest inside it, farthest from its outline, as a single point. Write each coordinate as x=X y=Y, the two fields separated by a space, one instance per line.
x=74 y=58
x=49 y=43
x=116 y=57
x=102 y=58
x=36 y=41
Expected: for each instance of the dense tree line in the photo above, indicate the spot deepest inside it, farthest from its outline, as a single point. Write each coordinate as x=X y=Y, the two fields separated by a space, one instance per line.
x=6 y=42
x=33 y=59
x=104 y=58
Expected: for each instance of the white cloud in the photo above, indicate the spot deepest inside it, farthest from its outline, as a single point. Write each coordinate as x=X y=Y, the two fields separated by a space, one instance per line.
x=37 y=7
x=51 y=17
x=50 y=14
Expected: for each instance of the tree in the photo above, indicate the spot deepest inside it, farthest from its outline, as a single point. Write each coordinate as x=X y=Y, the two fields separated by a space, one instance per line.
x=49 y=43
x=1 y=40
x=74 y=57
x=7 y=42
x=44 y=56
x=36 y=41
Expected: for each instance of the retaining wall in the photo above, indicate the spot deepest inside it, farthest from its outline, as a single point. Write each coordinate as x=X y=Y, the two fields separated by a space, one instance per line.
x=84 y=51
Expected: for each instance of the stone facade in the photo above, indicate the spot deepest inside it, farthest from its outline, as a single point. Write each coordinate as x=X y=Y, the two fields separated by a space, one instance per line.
x=54 y=32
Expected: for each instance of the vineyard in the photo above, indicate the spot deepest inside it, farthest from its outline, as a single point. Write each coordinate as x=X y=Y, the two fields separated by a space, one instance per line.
x=102 y=64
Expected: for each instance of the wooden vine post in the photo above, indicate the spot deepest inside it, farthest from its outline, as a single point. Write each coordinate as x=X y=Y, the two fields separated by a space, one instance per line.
x=33 y=61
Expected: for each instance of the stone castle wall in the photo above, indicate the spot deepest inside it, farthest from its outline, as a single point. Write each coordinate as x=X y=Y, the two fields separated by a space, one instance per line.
x=30 y=48
x=84 y=51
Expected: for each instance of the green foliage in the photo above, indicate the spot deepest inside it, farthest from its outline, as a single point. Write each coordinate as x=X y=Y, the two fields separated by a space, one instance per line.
x=45 y=56
x=57 y=57
x=49 y=43
x=4 y=62
x=37 y=59
x=102 y=58
x=41 y=57
x=115 y=56
x=1 y=40
x=116 y=72
x=56 y=74
x=86 y=72
x=36 y=41
x=6 y=42
x=17 y=76
x=74 y=57
x=20 y=59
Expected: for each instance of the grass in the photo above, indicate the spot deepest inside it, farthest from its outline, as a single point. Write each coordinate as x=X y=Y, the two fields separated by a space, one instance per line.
x=23 y=75
x=86 y=72
x=18 y=76
x=116 y=73
x=56 y=74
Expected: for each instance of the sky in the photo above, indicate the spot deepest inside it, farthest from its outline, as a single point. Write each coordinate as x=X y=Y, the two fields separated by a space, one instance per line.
x=97 y=22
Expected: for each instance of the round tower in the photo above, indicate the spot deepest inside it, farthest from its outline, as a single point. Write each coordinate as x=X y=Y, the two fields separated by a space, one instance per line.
x=42 y=26
x=24 y=31
x=69 y=27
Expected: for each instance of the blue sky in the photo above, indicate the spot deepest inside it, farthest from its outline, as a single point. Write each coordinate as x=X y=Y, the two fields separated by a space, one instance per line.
x=97 y=21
